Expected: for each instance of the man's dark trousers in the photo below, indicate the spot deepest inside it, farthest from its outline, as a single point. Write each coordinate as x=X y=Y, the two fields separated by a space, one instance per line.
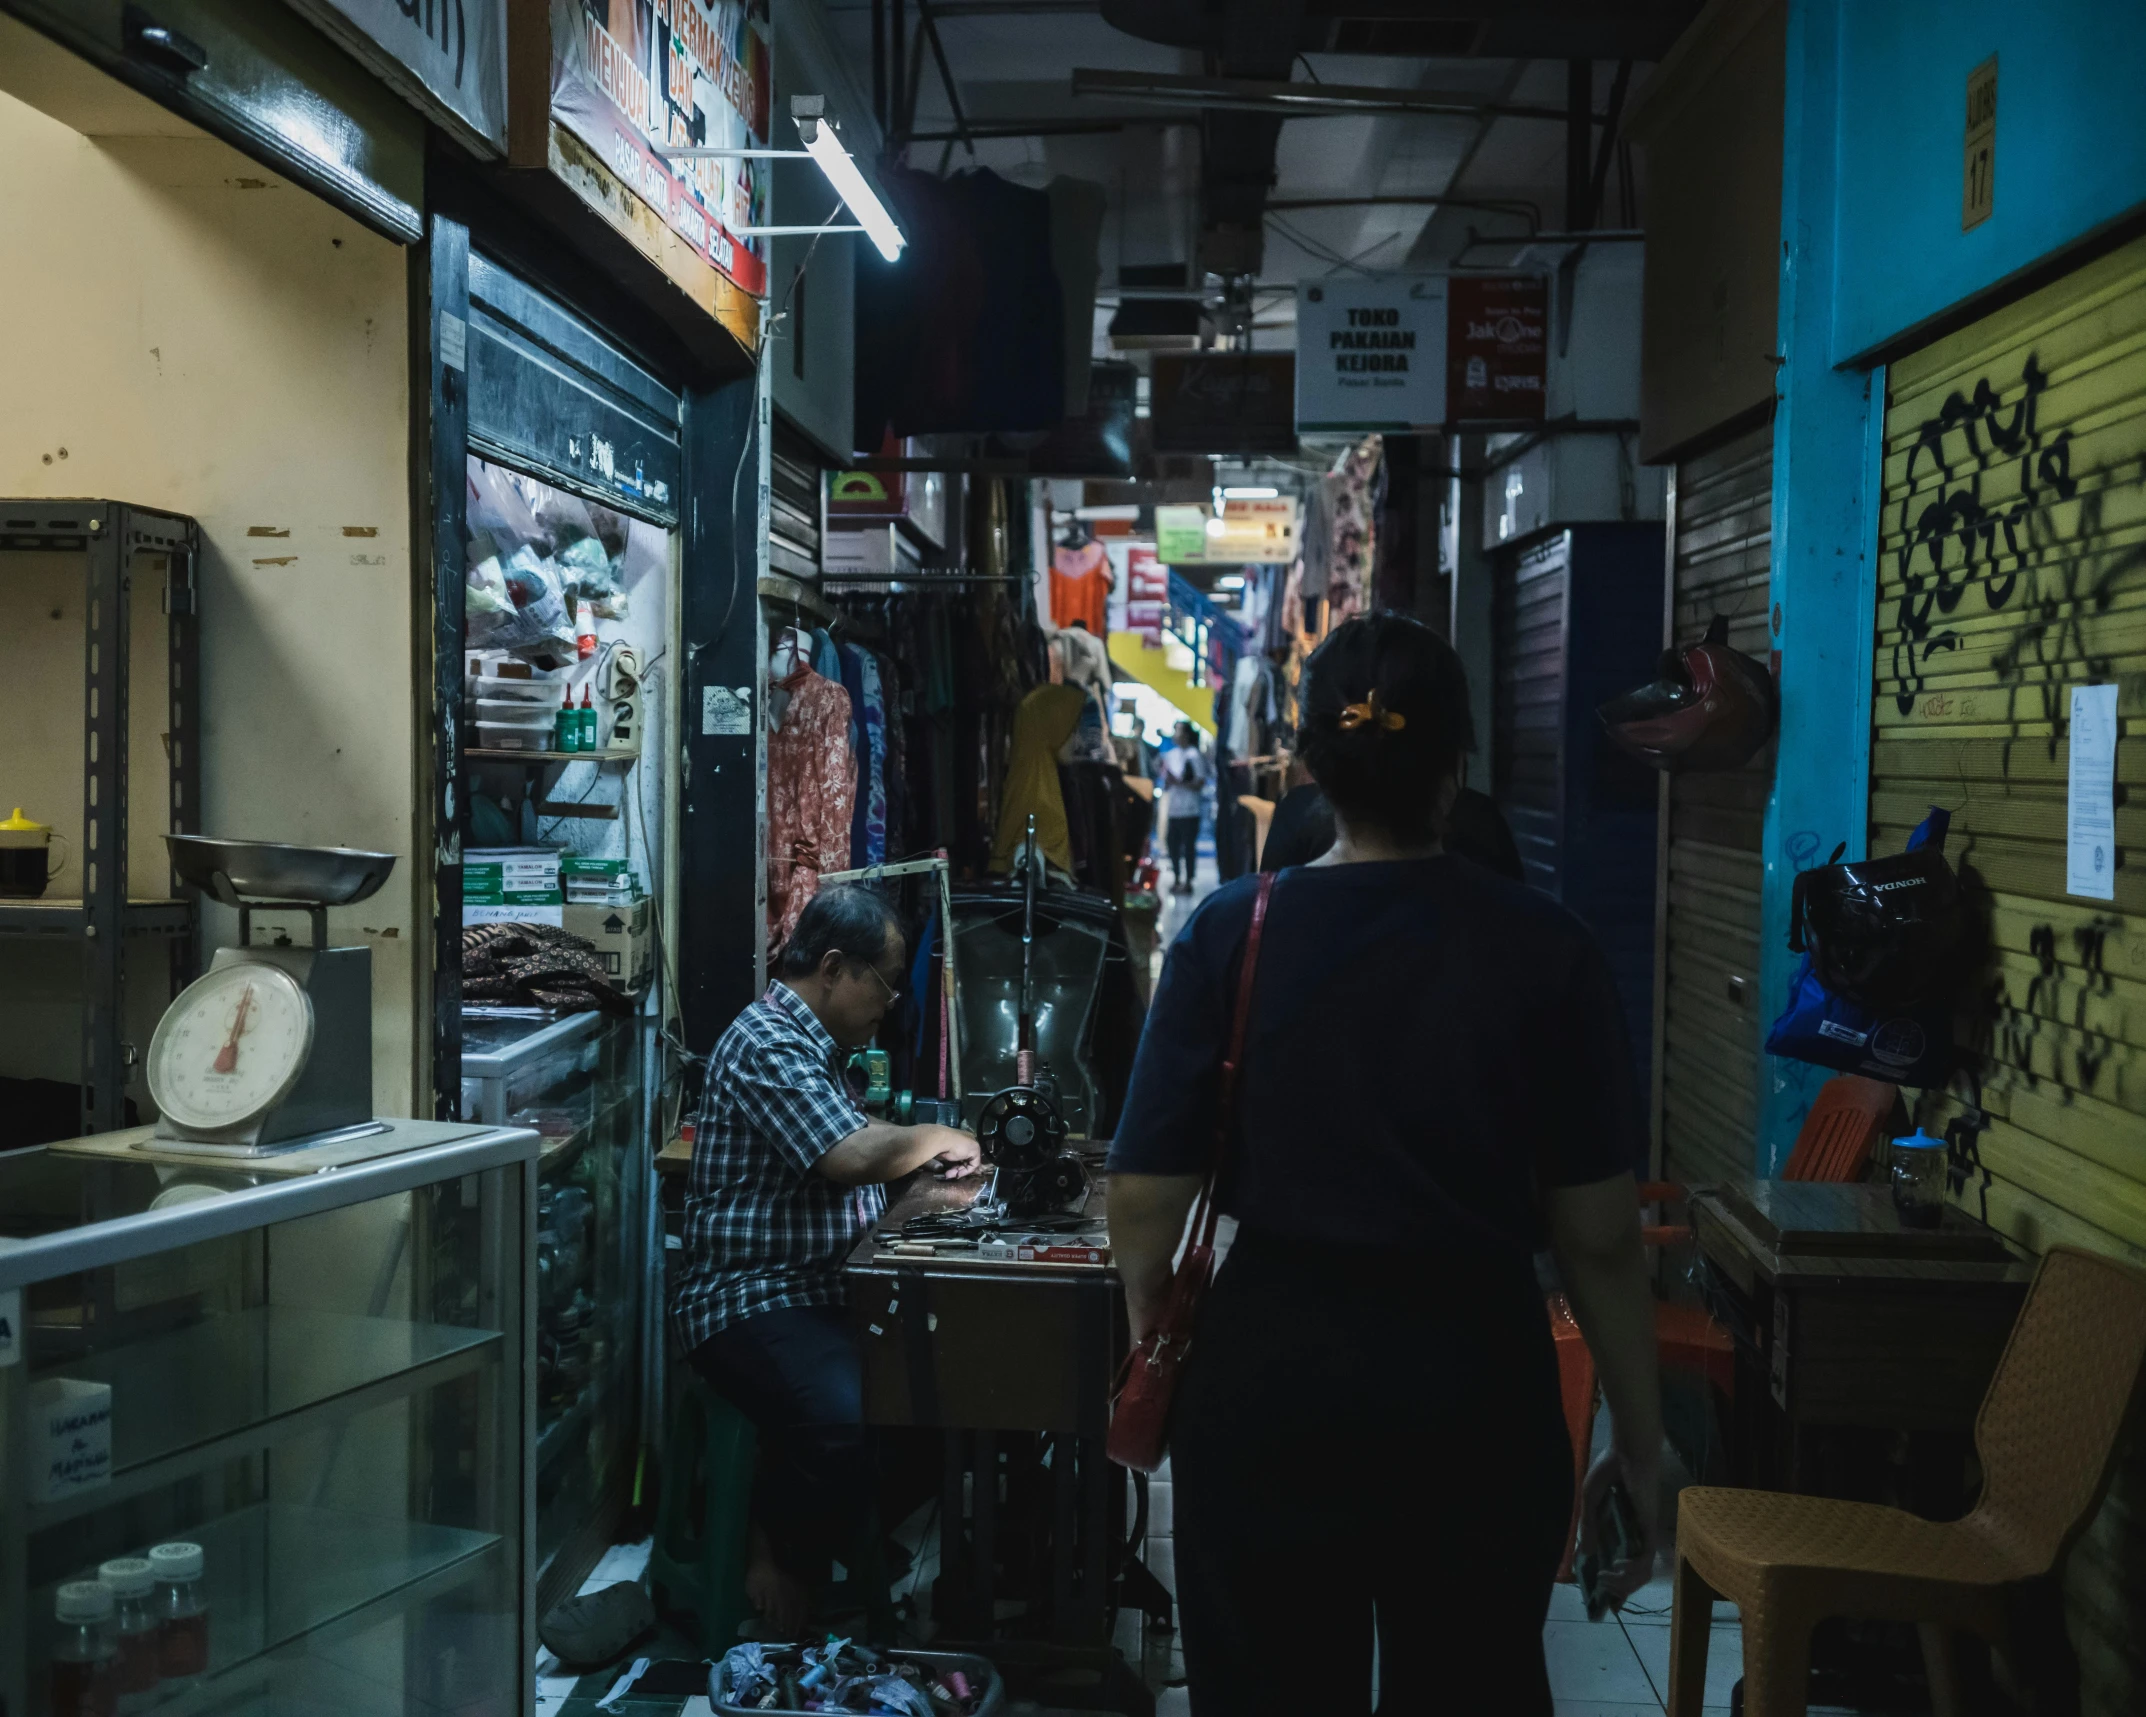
x=797 y=1375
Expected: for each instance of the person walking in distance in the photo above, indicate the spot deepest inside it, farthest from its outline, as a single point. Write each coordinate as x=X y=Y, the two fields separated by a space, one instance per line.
x=1184 y=778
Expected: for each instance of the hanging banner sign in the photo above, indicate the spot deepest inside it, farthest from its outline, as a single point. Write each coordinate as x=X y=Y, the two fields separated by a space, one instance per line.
x=1244 y=533
x=448 y=60
x=1371 y=354
x=1497 y=349
x=629 y=77
x=1147 y=592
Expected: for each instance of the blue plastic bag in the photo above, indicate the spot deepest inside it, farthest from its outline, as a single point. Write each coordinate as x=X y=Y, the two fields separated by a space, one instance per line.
x=1914 y=1047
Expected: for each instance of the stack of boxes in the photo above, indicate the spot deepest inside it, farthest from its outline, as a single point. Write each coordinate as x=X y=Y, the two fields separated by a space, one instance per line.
x=605 y=904
x=512 y=885
x=595 y=899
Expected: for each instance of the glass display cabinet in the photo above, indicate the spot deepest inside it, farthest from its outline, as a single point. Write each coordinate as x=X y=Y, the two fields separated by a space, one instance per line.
x=577 y=1080
x=319 y=1380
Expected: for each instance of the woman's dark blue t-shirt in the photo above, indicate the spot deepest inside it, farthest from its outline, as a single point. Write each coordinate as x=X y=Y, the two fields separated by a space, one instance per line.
x=1430 y=1046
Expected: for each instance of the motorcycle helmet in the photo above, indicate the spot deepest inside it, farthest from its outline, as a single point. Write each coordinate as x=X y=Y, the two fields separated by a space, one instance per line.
x=1708 y=707
x=1885 y=933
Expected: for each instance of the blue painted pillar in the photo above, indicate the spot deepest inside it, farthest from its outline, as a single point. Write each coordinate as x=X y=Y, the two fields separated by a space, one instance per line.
x=1824 y=538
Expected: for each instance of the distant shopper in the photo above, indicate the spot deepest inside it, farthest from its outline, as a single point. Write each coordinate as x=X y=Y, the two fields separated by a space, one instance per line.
x=1436 y=1084
x=1185 y=775
x=787 y=1176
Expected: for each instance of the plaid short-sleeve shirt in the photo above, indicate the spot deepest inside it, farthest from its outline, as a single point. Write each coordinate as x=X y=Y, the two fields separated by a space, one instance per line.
x=765 y=1229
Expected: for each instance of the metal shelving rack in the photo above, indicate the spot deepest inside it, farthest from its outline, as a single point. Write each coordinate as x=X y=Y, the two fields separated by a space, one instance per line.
x=110 y=535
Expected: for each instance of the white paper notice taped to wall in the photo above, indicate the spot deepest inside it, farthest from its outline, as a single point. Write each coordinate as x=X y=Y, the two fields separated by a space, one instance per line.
x=2090 y=804
x=724 y=711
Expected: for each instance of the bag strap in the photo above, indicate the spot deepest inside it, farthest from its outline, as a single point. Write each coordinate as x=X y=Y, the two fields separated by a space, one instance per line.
x=1205 y=1213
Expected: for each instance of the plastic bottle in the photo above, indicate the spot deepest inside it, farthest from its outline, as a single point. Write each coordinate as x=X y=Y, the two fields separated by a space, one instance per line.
x=566 y=726
x=132 y=1581
x=587 y=713
x=85 y=1670
x=182 y=1612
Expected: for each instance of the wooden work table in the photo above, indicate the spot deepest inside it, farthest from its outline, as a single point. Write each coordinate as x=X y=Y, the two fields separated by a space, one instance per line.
x=1844 y=1319
x=987 y=1343
x=1013 y=1358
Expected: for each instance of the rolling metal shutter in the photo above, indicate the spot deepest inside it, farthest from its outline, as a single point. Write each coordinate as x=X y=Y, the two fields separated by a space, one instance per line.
x=2012 y=567
x=1529 y=623
x=1710 y=1008
x=552 y=396
x=794 y=510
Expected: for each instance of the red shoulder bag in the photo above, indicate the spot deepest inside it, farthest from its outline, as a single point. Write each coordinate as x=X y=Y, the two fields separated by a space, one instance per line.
x=1147 y=1384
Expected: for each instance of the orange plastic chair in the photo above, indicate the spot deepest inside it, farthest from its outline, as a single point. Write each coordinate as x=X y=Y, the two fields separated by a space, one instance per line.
x=2047 y=1437
x=1846 y=1121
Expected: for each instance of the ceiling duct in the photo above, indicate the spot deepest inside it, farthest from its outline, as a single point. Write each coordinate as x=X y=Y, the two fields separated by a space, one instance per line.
x=1158 y=325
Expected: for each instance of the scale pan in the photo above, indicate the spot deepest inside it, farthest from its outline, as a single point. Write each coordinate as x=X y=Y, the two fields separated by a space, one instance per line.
x=235 y=871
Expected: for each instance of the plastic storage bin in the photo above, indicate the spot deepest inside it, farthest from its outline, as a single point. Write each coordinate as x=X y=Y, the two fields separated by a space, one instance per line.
x=979 y=1670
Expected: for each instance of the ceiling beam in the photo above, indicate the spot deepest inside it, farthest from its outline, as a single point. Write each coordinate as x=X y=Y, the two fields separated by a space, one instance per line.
x=1294 y=99
x=1043 y=128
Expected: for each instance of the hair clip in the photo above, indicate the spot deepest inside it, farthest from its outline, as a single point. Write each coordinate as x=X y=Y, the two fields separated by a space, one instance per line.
x=1357 y=715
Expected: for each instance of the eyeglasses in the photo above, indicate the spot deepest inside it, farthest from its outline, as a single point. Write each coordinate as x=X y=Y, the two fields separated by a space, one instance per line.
x=880 y=979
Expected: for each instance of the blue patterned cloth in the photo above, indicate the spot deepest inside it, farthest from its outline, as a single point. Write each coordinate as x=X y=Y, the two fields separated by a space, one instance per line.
x=764 y=1229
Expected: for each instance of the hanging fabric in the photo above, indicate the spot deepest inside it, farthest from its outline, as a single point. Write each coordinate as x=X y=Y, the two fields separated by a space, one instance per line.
x=812 y=787
x=1043 y=723
x=1080 y=587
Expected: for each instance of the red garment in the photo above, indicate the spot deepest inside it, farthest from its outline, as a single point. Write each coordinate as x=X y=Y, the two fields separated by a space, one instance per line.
x=1080 y=587
x=811 y=790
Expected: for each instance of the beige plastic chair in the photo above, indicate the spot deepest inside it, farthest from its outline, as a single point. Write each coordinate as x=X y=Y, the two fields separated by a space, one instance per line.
x=2047 y=1436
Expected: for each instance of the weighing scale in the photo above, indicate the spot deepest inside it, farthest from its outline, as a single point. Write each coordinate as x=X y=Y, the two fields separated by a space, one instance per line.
x=270 y=1049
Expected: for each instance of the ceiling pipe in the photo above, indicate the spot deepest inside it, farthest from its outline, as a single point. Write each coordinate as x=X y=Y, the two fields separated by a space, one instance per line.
x=1293 y=100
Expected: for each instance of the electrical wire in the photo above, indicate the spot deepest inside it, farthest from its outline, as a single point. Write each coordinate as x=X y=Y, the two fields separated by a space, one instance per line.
x=768 y=325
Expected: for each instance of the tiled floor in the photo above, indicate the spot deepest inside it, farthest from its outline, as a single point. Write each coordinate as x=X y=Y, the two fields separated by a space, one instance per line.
x=1618 y=1667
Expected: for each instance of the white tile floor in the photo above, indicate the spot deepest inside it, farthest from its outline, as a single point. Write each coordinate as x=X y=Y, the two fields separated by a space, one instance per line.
x=1618 y=1667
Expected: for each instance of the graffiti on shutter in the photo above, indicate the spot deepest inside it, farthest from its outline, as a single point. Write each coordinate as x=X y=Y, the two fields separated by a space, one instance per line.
x=2012 y=567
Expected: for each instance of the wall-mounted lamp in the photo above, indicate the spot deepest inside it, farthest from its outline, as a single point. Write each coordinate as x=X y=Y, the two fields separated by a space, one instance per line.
x=823 y=145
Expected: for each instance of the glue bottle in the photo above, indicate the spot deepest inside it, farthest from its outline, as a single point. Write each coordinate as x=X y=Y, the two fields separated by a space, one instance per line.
x=85 y=1668
x=587 y=716
x=566 y=727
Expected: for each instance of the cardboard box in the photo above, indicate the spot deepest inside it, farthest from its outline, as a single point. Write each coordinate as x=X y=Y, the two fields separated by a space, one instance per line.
x=70 y=1437
x=622 y=938
x=499 y=912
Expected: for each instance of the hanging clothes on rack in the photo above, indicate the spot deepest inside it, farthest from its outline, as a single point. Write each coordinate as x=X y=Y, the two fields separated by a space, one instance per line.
x=872 y=765
x=1080 y=586
x=1355 y=554
x=1045 y=720
x=811 y=790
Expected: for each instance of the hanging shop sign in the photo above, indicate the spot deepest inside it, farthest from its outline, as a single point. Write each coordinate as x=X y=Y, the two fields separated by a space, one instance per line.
x=629 y=80
x=1223 y=402
x=1147 y=591
x=1497 y=348
x=1244 y=533
x=447 y=58
x=1371 y=354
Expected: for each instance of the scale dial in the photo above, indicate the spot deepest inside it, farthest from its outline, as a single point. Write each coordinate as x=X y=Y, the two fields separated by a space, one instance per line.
x=231 y=1047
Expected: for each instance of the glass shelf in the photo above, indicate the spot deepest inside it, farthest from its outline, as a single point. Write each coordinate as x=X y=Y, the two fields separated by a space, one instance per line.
x=239 y=1372
x=275 y=1574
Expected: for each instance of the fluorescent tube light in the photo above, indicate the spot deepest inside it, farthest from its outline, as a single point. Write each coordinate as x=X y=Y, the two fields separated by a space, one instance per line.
x=1230 y=581
x=1253 y=494
x=825 y=147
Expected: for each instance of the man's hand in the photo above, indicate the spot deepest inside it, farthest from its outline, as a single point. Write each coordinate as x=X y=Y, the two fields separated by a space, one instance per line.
x=956 y=1155
x=881 y=1152
x=1642 y=1476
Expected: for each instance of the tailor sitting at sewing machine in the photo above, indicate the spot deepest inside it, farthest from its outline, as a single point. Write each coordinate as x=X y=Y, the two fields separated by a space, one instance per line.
x=787 y=1174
